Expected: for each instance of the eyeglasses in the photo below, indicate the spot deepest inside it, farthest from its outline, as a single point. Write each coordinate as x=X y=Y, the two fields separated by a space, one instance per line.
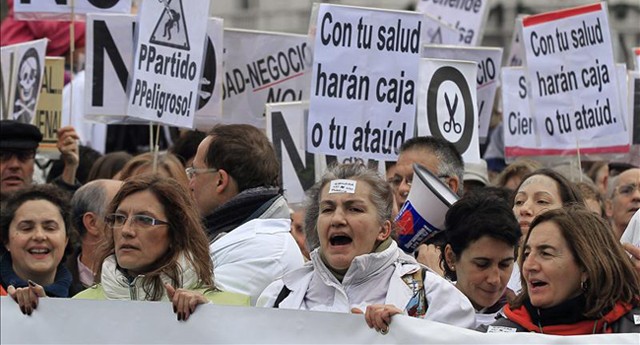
x=628 y=189
x=396 y=180
x=22 y=156
x=116 y=220
x=192 y=172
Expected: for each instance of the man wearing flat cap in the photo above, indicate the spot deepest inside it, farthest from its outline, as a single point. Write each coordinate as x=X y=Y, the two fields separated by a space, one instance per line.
x=18 y=143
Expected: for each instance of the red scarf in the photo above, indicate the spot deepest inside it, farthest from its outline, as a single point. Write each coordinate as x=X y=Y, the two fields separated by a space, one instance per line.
x=521 y=317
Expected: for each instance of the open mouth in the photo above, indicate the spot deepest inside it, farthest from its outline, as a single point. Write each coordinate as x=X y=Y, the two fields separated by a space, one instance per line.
x=39 y=251
x=340 y=240
x=537 y=284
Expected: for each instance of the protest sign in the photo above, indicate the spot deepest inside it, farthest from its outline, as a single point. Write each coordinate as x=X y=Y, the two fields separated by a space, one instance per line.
x=447 y=104
x=21 y=80
x=634 y=100
x=263 y=67
x=109 y=62
x=489 y=61
x=516 y=49
x=363 y=88
x=62 y=9
x=521 y=137
x=101 y=322
x=570 y=67
x=468 y=17
x=168 y=61
x=49 y=110
x=286 y=129
x=439 y=32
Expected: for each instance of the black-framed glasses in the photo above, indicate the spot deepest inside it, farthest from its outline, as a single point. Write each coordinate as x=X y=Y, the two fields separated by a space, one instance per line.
x=192 y=172
x=117 y=220
x=22 y=155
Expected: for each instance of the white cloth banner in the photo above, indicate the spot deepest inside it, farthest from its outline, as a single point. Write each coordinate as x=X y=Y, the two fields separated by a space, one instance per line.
x=263 y=67
x=21 y=76
x=489 y=61
x=168 y=62
x=521 y=136
x=447 y=104
x=61 y=10
x=363 y=88
x=571 y=70
x=70 y=321
x=467 y=17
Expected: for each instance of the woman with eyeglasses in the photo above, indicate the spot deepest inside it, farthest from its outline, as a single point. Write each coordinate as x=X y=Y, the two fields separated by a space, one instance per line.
x=35 y=234
x=155 y=249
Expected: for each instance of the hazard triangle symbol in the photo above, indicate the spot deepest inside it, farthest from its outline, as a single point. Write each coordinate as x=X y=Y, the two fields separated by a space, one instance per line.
x=171 y=30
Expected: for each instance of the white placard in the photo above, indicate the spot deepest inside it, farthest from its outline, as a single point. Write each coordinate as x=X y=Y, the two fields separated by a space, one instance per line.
x=363 y=88
x=72 y=321
x=438 y=32
x=489 y=61
x=286 y=129
x=521 y=137
x=516 y=49
x=168 y=61
x=571 y=71
x=447 y=104
x=21 y=80
x=263 y=67
x=468 y=17
x=110 y=59
x=62 y=9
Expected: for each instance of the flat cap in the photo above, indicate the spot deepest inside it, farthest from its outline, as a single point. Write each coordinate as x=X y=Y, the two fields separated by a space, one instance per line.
x=16 y=135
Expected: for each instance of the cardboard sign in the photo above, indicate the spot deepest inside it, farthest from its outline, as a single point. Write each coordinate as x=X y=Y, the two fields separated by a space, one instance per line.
x=447 y=104
x=516 y=49
x=21 y=79
x=468 y=17
x=286 y=128
x=363 y=88
x=49 y=110
x=260 y=68
x=168 y=62
x=571 y=70
x=521 y=137
x=489 y=61
x=63 y=9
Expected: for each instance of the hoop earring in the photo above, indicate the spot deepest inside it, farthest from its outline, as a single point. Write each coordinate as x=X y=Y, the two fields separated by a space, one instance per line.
x=584 y=286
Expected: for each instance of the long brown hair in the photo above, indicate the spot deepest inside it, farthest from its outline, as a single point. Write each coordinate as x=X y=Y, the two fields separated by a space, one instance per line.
x=611 y=277
x=186 y=234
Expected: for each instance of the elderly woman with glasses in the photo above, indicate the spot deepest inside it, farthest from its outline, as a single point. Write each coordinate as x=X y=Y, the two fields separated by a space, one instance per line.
x=155 y=249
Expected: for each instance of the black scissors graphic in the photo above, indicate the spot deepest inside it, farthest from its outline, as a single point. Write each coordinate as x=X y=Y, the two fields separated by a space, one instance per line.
x=452 y=124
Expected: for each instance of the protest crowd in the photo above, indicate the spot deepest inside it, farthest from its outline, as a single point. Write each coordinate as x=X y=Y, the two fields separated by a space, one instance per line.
x=428 y=181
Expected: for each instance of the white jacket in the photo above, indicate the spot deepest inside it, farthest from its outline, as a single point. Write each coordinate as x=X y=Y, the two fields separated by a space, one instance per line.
x=374 y=278
x=254 y=255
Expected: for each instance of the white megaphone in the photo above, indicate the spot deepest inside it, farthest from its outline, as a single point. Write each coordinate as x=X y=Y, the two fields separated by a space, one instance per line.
x=422 y=215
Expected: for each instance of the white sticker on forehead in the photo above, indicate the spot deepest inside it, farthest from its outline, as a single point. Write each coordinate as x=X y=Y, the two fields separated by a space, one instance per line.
x=342 y=186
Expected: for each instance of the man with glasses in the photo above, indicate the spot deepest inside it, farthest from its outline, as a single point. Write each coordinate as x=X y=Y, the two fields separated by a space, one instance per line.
x=18 y=143
x=624 y=199
x=234 y=179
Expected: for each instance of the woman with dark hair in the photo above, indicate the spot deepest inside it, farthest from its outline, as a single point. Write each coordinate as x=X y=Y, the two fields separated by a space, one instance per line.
x=155 y=249
x=576 y=278
x=482 y=237
x=358 y=267
x=35 y=233
x=539 y=192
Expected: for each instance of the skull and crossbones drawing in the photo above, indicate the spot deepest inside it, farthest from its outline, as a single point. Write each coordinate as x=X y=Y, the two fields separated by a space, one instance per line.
x=27 y=88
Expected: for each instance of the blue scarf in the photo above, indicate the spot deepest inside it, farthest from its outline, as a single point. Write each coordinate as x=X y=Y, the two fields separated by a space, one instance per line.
x=59 y=288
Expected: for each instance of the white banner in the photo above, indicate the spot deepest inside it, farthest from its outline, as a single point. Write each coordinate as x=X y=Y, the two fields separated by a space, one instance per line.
x=489 y=61
x=21 y=79
x=521 y=137
x=468 y=17
x=168 y=62
x=286 y=129
x=263 y=67
x=71 y=321
x=62 y=9
x=571 y=70
x=447 y=104
x=363 y=88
